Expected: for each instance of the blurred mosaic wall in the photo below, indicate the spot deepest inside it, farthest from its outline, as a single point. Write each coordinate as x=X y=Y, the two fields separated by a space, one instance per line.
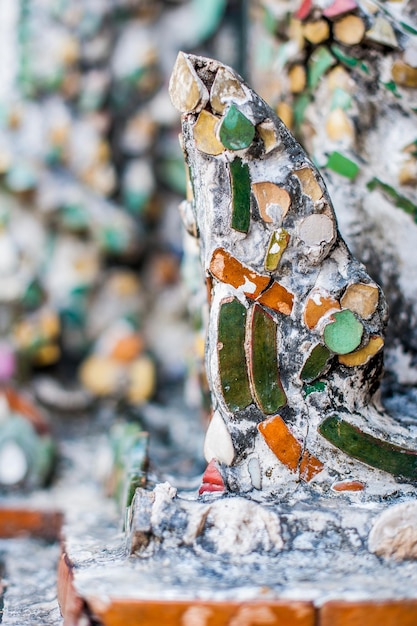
x=91 y=171
x=342 y=74
x=91 y=177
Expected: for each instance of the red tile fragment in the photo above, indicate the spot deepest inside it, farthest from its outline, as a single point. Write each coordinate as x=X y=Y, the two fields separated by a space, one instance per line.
x=339 y=7
x=349 y=485
x=304 y=10
x=212 y=479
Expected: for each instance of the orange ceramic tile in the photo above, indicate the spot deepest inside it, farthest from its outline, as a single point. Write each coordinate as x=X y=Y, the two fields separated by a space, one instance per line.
x=277 y=298
x=227 y=269
x=281 y=441
x=172 y=613
x=127 y=348
x=348 y=485
x=384 y=613
x=362 y=356
x=309 y=184
x=18 y=403
x=268 y=195
x=70 y=603
x=15 y=522
x=309 y=466
x=317 y=305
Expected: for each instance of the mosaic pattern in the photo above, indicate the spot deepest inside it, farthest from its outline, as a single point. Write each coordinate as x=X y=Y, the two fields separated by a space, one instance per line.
x=296 y=325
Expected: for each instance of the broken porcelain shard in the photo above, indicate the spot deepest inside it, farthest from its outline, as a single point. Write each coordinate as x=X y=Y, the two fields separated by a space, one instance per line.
x=296 y=325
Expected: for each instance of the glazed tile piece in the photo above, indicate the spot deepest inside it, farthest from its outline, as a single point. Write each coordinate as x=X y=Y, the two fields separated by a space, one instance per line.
x=296 y=326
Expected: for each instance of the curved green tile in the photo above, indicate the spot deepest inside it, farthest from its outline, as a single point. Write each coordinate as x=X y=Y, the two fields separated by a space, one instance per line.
x=315 y=364
x=232 y=358
x=377 y=453
x=236 y=131
x=269 y=394
x=240 y=184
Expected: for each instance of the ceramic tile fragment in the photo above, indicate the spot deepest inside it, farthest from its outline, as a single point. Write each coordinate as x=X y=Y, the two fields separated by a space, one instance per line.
x=310 y=466
x=318 y=304
x=304 y=10
x=288 y=449
x=338 y=7
x=316 y=229
x=403 y=74
x=342 y=165
x=265 y=378
x=227 y=269
x=348 y=485
x=240 y=183
x=277 y=298
x=205 y=134
x=267 y=132
x=187 y=91
x=277 y=244
x=225 y=87
x=320 y=61
x=218 y=443
x=365 y=354
x=285 y=112
x=273 y=201
x=298 y=78
x=255 y=473
x=344 y=334
x=231 y=354
x=236 y=132
x=281 y=441
x=309 y=184
x=361 y=299
x=349 y=30
x=382 y=32
x=212 y=479
x=316 y=32
x=339 y=126
x=316 y=387
x=316 y=363
x=369 y=449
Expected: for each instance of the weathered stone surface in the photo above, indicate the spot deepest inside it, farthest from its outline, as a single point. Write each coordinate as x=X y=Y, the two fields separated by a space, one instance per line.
x=314 y=293
x=394 y=533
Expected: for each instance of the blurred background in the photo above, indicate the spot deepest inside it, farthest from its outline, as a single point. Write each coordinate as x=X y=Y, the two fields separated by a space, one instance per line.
x=101 y=312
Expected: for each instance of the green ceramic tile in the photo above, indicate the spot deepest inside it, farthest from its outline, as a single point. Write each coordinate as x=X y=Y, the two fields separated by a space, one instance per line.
x=341 y=99
x=240 y=195
x=232 y=359
x=320 y=61
x=316 y=363
x=236 y=131
x=269 y=394
x=344 y=334
x=318 y=386
x=366 y=448
x=342 y=165
x=348 y=60
x=300 y=105
x=392 y=87
x=400 y=201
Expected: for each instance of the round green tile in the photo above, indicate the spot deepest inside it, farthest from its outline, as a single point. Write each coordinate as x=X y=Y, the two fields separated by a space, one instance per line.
x=344 y=334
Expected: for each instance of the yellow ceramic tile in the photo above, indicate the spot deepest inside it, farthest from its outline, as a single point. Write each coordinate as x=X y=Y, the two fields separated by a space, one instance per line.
x=205 y=134
x=309 y=183
x=225 y=88
x=186 y=89
x=362 y=356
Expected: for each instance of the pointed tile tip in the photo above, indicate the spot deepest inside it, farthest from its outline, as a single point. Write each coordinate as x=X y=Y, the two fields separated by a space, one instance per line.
x=187 y=91
x=212 y=479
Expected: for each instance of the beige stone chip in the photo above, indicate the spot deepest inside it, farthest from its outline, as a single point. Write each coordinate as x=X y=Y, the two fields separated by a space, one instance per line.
x=188 y=92
x=273 y=201
x=350 y=30
x=226 y=87
x=205 y=134
x=361 y=299
x=309 y=183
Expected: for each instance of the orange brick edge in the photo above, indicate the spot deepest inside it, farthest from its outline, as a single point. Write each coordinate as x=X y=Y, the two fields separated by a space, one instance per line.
x=18 y=521
x=382 y=613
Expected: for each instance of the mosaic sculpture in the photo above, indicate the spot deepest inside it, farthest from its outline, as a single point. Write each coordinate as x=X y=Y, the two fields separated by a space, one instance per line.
x=296 y=325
